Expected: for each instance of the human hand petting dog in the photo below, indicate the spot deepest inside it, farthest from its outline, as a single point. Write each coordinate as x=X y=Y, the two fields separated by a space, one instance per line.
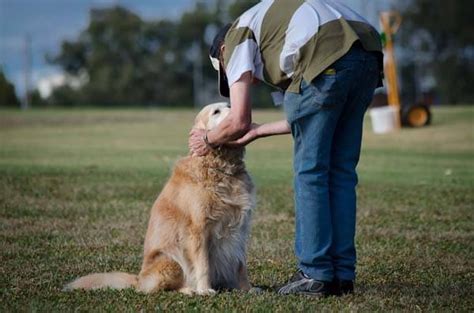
x=250 y=136
x=198 y=147
x=196 y=144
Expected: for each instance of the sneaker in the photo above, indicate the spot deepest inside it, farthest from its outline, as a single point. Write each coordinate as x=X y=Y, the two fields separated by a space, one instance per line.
x=302 y=284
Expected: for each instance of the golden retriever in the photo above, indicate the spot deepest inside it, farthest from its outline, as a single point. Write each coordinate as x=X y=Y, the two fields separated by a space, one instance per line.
x=198 y=228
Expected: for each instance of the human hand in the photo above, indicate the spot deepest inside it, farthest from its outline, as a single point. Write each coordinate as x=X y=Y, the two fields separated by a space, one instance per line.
x=196 y=144
x=250 y=136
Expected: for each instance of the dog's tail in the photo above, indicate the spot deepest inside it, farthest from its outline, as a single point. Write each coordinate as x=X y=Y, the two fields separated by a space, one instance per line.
x=114 y=280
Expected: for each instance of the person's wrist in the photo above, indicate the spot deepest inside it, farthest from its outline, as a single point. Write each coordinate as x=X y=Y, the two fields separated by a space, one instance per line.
x=256 y=133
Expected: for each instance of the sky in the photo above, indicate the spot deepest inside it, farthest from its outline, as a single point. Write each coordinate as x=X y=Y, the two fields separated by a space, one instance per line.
x=49 y=22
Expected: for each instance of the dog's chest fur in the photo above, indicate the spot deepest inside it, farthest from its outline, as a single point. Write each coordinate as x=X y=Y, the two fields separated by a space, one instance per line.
x=232 y=199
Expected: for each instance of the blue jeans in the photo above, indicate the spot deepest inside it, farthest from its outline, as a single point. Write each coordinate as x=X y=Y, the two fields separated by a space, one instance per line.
x=326 y=122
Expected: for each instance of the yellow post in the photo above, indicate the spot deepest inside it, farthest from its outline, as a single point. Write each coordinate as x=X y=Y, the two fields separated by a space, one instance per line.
x=390 y=22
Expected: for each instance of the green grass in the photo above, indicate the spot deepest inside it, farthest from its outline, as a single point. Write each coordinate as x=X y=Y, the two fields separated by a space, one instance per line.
x=76 y=188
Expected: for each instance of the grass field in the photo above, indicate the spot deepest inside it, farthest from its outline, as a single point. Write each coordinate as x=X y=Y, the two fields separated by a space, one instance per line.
x=76 y=188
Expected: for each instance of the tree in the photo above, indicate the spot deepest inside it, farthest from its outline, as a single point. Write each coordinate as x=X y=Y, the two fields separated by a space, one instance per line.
x=7 y=92
x=125 y=60
x=442 y=33
x=36 y=100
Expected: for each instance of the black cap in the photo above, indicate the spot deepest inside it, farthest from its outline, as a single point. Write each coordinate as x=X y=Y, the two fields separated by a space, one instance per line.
x=214 y=55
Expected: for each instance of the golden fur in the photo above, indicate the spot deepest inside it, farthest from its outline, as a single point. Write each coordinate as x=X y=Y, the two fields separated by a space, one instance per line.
x=198 y=228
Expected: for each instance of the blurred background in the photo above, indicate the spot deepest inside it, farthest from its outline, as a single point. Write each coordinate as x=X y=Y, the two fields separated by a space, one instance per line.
x=145 y=53
x=105 y=83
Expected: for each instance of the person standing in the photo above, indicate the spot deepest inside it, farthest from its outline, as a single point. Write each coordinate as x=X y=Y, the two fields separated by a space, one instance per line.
x=327 y=60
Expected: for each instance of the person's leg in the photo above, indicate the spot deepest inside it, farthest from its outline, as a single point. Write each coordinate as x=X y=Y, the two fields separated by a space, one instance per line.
x=313 y=234
x=313 y=115
x=343 y=179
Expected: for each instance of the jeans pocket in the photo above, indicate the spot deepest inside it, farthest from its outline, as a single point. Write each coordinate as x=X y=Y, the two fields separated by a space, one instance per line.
x=291 y=106
x=321 y=94
x=324 y=91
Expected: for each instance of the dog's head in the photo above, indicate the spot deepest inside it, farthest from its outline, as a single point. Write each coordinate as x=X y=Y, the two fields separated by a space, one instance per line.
x=211 y=115
x=208 y=118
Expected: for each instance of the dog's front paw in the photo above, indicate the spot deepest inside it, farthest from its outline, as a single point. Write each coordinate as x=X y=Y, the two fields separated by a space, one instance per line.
x=201 y=292
x=187 y=291
x=205 y=292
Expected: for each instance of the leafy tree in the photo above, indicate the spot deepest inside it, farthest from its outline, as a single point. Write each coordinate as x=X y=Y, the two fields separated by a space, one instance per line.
x=122 y=58
x=442 y=33
x=7 y=92
x=36 y=100
x=66 y=96
x=125 y=60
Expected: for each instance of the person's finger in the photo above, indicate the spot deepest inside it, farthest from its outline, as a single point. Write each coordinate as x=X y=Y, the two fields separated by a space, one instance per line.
x=204 y=151
x=196 y=131
x=193 y=132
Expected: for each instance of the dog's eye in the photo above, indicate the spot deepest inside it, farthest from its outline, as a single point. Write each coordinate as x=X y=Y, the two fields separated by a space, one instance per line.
x=216 y=112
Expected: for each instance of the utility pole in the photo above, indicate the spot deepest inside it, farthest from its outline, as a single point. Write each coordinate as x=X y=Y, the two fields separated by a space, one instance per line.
x=25 y=104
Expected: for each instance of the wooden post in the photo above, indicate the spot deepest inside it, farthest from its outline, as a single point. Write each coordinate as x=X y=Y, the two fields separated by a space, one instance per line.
x=390 y=22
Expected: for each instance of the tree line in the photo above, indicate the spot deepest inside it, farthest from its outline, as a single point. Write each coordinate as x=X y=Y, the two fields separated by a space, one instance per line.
x=121 y=59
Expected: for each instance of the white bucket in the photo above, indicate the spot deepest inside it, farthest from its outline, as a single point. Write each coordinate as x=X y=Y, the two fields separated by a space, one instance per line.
x=384 y=119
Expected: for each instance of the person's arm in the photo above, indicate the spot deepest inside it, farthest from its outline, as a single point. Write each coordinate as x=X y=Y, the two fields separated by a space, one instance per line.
x=234 y=126
x=264 y=130
x=238 y=122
